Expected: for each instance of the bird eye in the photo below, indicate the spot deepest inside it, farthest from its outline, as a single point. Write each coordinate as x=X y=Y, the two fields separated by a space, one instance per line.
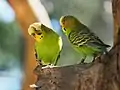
x=39 y=33
x=34 y=28
x=63 y=23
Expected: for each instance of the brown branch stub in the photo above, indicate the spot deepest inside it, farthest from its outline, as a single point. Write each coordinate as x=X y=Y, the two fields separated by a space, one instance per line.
x=116 y=17
x=95 y=76
x=25 y=17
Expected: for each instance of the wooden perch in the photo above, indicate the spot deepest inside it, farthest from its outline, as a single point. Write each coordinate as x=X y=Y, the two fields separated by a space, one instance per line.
x=103 y=74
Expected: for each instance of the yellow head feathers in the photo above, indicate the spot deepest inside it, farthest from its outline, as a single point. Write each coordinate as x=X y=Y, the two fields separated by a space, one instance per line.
x=34 y=27
x=35 y=31
x=68 y=21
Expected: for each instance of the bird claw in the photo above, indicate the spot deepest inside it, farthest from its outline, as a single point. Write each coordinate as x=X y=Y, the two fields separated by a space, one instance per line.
x=48 y=66
x=82 y=61
x=40 y=63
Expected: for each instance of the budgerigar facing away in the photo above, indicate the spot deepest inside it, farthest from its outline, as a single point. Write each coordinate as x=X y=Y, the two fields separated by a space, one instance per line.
x=48 y=44
x=81 y=38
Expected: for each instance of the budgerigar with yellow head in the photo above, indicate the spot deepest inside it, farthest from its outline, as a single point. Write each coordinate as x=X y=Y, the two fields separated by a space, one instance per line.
x=48 y=44
x=81 y=38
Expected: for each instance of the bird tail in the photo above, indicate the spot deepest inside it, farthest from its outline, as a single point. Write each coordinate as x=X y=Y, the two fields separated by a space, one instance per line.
x=107 y=46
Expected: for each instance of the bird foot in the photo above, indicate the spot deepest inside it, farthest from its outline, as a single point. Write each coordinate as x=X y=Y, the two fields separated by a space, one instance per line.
x=95 y=58
x=82 y=61
x=48 y=66
x=39 y=63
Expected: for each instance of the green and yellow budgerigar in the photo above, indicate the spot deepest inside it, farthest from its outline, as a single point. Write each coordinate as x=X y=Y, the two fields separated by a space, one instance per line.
x=81 y=38
x=48 y=44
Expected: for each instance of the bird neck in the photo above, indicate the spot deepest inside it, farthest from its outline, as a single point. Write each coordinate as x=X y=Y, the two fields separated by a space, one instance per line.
x=68 y=31
x=77 y=27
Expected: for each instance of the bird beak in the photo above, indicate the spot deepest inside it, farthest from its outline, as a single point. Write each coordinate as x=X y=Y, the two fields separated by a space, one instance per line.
x=36 y=37
x=63 y=29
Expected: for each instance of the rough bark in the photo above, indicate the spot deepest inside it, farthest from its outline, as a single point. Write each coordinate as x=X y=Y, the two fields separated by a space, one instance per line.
x=25 y=17
x=103 y=74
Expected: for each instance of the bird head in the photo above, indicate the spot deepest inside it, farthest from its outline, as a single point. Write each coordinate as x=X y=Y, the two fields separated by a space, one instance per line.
x=35 y=31
x=68 y=23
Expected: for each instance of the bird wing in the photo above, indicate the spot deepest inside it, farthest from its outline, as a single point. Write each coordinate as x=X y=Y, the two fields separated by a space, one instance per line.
x=96 y=42
x=85 y=37
x=60 y=44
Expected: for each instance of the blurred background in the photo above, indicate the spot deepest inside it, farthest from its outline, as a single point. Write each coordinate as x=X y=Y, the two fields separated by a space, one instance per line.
x=17 y=59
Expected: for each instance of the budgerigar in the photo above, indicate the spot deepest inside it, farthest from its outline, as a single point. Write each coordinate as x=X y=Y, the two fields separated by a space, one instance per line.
x=48 y=44
x=81 y=38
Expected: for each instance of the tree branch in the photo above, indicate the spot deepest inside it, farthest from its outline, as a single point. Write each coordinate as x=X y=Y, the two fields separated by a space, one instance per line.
x=116 y=17
x=104 y=74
